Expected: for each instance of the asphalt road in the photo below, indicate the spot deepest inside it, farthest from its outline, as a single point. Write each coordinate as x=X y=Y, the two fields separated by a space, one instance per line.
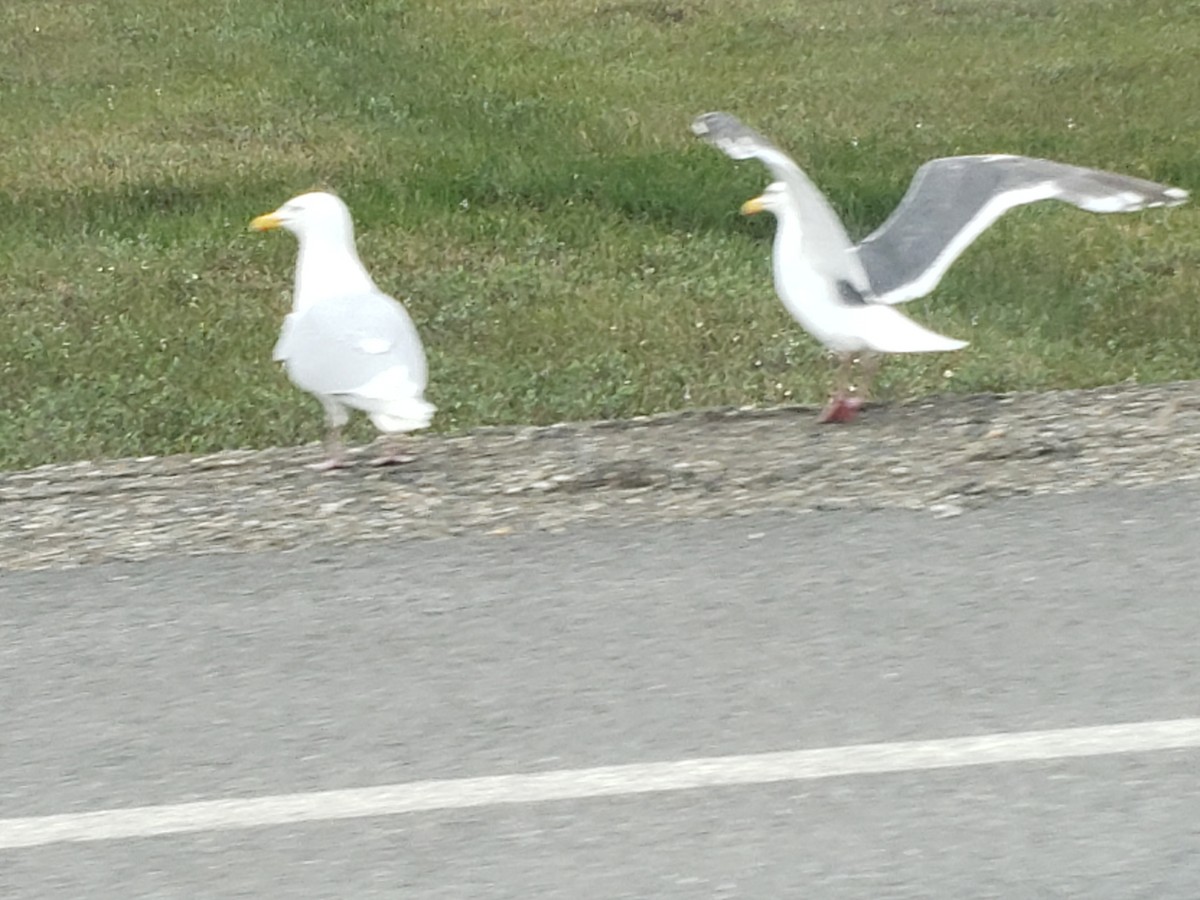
x=248 y=675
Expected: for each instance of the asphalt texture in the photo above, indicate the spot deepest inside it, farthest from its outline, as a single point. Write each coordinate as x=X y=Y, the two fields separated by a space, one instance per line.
x=243 y=675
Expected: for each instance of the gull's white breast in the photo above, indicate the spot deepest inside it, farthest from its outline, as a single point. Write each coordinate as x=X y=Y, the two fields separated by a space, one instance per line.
x=813 y=298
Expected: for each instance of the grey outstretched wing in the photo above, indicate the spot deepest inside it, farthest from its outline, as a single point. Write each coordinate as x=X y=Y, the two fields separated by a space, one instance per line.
x=952 y=201
x=336 y=346
x=826 y=243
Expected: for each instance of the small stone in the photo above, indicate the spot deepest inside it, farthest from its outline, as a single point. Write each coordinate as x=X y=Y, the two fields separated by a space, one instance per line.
x=946 y=510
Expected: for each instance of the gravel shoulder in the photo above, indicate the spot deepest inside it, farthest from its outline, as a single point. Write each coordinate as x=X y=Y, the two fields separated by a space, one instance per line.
x=945 y=454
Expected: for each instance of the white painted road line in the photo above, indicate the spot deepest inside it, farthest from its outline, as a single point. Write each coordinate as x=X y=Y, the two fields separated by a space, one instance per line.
x=603 y=781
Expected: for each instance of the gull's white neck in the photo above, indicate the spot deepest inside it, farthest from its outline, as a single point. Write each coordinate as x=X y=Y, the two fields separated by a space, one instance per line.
x=787 y=260
x=806 y=292
x=327 y=268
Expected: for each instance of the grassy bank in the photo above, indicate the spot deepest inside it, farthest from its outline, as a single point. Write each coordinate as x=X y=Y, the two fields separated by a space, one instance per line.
x=523 y=175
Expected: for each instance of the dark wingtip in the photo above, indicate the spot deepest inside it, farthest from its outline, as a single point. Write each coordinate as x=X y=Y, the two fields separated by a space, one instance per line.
x=701 y=124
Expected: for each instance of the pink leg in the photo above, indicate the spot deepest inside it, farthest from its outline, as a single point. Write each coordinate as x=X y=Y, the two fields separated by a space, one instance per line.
x=840 y=409
x=870 y=367
x=392 y=456
x=842 y=406
x=329 y=465
x=335 y=453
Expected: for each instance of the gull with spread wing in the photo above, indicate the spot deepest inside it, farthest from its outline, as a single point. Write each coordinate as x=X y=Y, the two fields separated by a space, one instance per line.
x=843 y=293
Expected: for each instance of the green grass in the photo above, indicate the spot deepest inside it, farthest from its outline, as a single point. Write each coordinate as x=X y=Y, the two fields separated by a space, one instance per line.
x=523 y=175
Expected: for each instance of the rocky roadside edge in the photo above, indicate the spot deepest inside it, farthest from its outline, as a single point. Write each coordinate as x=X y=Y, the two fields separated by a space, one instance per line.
x=944 y=454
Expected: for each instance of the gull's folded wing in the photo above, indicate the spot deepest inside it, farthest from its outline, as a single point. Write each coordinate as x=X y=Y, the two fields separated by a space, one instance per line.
x=339 y=345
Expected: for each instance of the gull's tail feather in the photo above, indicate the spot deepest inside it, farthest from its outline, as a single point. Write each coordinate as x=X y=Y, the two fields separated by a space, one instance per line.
x=887 y=330
x=409 y=415
x=393 y=401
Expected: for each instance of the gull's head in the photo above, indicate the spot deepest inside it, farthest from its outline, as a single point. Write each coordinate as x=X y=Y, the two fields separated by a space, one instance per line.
x=314 y=215
x=773 y=199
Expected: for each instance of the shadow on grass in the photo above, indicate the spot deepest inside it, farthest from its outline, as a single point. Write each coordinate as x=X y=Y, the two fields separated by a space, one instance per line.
x=145 y=210
x=697 y=191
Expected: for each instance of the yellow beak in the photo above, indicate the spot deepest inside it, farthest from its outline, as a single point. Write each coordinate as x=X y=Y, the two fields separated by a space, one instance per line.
x=266 y=222
x=752 y=206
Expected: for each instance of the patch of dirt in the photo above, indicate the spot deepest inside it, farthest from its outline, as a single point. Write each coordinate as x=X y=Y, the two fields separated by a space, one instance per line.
x=944 y=454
